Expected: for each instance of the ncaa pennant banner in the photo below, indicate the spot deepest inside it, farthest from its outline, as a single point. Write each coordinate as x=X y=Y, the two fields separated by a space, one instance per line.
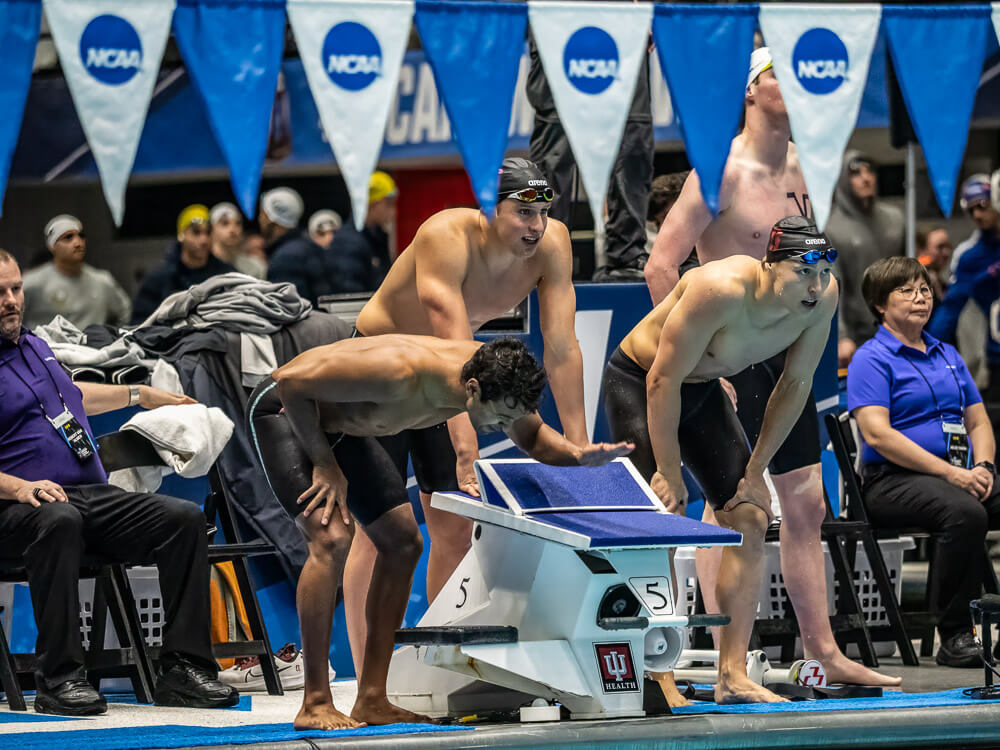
x=996 y=19
x=20 y=21
x=110 y=52
x=232 y=50
x=939 y=88
x=821 y=56
x=352 y=51
x=592 y=53
x=720 y=39
x=477 y=98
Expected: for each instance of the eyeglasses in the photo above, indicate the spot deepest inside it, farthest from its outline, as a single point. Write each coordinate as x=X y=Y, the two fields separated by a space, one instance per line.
x=530 y=195
x=813 y=257
x=912 y=292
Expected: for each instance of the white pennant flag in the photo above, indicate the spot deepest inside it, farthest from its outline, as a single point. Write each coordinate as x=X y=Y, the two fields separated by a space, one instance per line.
x=996 y=19
x=591 y=53
x=110 y=52
x=821 y=58
x=352 y=51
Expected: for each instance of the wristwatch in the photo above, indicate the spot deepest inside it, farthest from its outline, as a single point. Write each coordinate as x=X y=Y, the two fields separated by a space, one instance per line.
x=988 y=465
x=133 y=395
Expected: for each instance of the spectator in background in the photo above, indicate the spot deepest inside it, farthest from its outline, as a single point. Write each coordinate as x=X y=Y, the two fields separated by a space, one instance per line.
x=976 y=269
x=255 y=246
x=293 y=257
x=864 y=229
x=934 y=253
x=227 y=241
x=188 y=261
x=323 y=225
x=663 y=194
x=69 y=287
x=360 y=260
x=628 y=190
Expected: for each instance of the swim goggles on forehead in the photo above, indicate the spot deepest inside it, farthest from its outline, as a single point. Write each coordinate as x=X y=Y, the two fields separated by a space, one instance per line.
x=812 y=257
x=530 y=195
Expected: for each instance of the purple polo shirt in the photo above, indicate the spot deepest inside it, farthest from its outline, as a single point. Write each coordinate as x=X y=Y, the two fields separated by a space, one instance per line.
x=921 y=390
x=30 y=448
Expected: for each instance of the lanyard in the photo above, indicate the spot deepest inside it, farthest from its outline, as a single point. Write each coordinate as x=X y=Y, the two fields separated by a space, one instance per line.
x=47 y=372
x=951 y=369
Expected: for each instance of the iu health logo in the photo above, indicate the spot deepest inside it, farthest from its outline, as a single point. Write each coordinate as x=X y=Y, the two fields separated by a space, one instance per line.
x=111 y=50
x=590 y=60
x=614 y=662
x=352 y=56
x=819 y=61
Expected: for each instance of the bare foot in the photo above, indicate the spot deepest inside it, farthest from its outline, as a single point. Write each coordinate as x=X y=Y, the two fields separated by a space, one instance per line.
x=669 y=688
x=741 y=689
x=840 y=669
x=380 y=711
x=324 y=716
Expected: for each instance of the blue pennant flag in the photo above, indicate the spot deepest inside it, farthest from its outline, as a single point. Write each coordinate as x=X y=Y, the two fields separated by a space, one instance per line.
x=474 y=49
x=20 y=21
x=705 y=55
x=939 y=87
x=233 y=53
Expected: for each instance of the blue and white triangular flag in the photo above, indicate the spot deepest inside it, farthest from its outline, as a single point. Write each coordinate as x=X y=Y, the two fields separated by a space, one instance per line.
x=20 y=21
x=938 y=53
x=232 y=50
x=477 y=98
x=821 y=56
x=996 y=19
x=352 y=51
x=706 y=48
x=592 y=53
x=110 y=53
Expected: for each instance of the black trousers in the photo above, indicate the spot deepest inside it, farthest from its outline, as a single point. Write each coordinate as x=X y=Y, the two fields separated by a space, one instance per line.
x=130 y=527
x=907 y=498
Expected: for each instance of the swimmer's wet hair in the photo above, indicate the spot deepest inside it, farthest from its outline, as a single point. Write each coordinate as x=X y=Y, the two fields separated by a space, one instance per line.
x=506 y=369
x=6 y=257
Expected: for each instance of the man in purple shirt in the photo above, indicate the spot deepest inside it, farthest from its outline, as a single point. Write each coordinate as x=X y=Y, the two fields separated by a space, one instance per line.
x=56 y=504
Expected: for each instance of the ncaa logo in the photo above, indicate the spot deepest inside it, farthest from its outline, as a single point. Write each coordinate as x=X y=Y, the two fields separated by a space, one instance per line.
x=590 y=60
x=352 y=56
x=111 y=50
x=819 y=61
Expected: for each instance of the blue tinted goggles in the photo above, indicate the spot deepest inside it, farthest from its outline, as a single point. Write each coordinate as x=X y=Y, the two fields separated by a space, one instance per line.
x=812 y=257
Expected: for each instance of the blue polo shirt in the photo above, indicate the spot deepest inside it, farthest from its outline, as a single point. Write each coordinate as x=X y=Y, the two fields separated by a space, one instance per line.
x=30 y=447
x=921 y=390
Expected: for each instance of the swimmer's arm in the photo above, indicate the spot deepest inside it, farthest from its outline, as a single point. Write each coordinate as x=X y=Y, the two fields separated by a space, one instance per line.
x=442 y=262
x=698 y=315
x=557 y=317
x=685 y=222
x=542 y=443
x=793 y=387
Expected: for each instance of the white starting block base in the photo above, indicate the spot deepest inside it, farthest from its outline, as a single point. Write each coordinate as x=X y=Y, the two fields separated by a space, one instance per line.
x=576 y=560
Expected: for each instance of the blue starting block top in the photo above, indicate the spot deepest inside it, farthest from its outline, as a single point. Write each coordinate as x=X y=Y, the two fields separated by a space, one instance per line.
x=585 y=508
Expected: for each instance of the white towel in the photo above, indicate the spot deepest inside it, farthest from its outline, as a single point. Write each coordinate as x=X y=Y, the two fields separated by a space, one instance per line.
x=189 y=438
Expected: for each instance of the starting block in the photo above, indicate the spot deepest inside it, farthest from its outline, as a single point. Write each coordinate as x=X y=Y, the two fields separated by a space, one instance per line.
x=565 y=595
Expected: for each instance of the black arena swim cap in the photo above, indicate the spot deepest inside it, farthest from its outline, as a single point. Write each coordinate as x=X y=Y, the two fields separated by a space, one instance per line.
x=517 y=174
x=798 y=238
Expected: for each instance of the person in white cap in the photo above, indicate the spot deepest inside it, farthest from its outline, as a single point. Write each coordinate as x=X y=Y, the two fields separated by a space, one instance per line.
x=762 y=183
x=323 y=225
x=292 y=256
x=67 y=286
x=227 y=241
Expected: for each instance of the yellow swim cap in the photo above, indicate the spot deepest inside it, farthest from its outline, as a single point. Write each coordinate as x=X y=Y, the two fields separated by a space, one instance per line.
x=380 y=186
x=193 y=214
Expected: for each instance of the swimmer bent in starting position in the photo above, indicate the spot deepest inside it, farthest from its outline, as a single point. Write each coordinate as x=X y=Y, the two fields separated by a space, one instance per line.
x=314 y=422
x=662 y=392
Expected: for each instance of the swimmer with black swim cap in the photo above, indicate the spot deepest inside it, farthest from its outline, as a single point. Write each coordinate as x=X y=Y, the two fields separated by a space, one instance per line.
x=662 y=392
x=462 y=270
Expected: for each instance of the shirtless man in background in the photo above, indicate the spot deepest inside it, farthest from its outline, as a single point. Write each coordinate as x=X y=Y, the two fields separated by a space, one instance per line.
x=662 y=389
x=762 y=183
x=313 y=424
x=459 y=272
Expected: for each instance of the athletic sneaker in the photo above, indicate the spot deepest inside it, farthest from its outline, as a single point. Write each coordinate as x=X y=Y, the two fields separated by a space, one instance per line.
x=247 y=675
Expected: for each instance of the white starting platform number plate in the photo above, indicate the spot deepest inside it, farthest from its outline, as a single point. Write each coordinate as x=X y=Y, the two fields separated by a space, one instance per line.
x=655 y=593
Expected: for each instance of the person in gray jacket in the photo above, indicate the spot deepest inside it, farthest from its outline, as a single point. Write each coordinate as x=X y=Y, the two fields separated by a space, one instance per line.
x=864 y=229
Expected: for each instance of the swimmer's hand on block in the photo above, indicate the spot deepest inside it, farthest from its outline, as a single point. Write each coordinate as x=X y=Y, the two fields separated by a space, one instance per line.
x=598 y=454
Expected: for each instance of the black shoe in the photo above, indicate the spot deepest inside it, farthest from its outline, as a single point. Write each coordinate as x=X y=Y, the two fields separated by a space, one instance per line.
x=960 y=650
x=606 y=274
x=70 y=698
x=186 y=685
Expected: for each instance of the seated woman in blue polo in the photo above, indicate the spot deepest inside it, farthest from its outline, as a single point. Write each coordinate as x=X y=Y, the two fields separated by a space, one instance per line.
x=928 y=445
